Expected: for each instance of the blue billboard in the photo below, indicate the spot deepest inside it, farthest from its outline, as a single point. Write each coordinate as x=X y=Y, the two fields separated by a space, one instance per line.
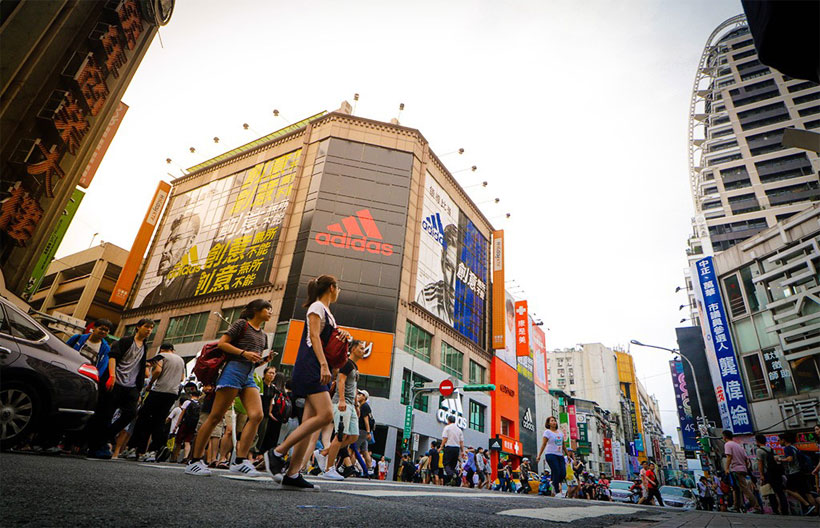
x=687 y=423
x=734 y=410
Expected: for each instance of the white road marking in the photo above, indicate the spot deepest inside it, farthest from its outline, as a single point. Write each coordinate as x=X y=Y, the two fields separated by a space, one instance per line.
x=569 y=513
x=431 y=494
x=379 y=483
x=246 y=477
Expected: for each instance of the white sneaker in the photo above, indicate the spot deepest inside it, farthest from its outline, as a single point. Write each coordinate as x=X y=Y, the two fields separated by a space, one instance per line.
x=246 y=468
x=198 y=468
x=321 y=460
x=332 y=474
x=149 y=457
x=559 y=495
x=128 y=454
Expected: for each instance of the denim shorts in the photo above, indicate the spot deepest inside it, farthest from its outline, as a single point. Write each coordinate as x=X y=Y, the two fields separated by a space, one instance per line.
x=237 y=375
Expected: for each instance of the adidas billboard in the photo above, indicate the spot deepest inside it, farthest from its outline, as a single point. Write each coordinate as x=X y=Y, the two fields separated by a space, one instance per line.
x=358 y=232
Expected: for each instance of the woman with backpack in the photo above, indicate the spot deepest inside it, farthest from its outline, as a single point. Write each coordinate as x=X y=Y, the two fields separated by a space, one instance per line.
x=311 y=380
x=242 y=344
x=797 y=467
x=277 y=407
x=771 y=473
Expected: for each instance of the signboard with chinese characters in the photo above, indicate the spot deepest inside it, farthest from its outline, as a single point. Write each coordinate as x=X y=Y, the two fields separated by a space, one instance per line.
x=687 y=422
x=800 y=413
x=522 y=329
x=573 y=422
x=222 y=236
x=539 y=355
x=608 y=450
x=617 y=456
x=453 y=264
x=498 y=333
x=583 y=432
x=734 y=410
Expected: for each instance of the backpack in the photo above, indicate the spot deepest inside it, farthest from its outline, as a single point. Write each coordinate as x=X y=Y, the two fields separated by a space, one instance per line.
x=191 y=417
x=210 y=361
x=774 y=469
x=281 y=407
x=803 y=460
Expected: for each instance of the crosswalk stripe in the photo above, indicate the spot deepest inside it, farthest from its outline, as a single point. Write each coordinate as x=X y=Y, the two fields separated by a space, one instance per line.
x=431 y=494
x=569 y=513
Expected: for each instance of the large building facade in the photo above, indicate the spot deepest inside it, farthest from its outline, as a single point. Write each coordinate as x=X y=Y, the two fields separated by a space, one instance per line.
x=65 y=66
x=363 y=200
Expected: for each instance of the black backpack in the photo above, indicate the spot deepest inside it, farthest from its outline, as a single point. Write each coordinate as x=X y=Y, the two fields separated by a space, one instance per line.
x=191 y=417
x=281 y=407
x=774 y=469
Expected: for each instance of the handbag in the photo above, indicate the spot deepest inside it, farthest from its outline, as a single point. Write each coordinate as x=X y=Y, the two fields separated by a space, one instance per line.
x=335 y=348
x=210 y=361
x=766 y=489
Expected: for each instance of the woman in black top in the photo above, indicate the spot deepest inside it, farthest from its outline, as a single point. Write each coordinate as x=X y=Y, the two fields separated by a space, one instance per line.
x=243 y=344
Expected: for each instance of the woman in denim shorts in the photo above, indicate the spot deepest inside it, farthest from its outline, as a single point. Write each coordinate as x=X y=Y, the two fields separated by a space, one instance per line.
x=243 y=344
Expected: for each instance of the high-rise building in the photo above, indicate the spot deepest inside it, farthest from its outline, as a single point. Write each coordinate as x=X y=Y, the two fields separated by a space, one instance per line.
x=742 y=178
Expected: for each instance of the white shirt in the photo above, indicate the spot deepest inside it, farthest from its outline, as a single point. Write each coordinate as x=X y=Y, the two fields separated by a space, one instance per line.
x=174 y=416
x=453 y=434
x=555 y=442
x=319 y=309
x=382 y=466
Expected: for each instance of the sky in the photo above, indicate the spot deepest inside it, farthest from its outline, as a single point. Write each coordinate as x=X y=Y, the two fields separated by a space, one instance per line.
x=575 y=113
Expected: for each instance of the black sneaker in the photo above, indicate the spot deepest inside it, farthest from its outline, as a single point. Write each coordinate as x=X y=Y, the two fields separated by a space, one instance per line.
x=348 y=471
x=298 y=483
x=274 y=464
x=164 y=454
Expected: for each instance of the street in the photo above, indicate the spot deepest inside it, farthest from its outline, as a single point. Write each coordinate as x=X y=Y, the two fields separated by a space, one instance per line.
x=59 y=491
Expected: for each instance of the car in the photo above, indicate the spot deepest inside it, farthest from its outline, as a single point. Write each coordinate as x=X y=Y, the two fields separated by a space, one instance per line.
x=620 y=491
x=678 y=497
x=43 y=381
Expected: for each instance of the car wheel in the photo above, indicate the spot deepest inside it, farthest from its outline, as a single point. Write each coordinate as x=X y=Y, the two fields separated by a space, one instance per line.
x=19 y=410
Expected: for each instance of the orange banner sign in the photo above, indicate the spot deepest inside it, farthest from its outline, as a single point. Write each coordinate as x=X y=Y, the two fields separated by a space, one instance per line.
x=499 y=297
x=378 y=346
x=132 y=264
x=102 y=146
x=522 y=329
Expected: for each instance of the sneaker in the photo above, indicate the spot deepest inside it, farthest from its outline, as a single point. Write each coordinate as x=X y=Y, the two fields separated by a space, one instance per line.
x=810 y=510
x=148 y=457
x=131 y=454
x=104 y=453
x=297 y=483
x=246 y=468
x=321 y=460
x=348 y=471
x=164 y=454
x=274 y=464
x=198 y=468
x=332 y=474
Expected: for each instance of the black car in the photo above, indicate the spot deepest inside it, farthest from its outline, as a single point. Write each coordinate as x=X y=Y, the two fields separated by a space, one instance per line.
x=43 y=381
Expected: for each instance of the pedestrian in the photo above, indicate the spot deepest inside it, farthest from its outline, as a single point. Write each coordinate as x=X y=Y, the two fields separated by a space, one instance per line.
x=816 y=471
x=366 y=424
x=453 y=441
x=797 y=484
x=277 y=411
x=120 y=390
x=705 y=495
x=524 y=476
x=311 y=380
x=243 y=344
x=383 y=468
x=187 y=430
x=470 y=466
x=345 y=419
x=653 y=486
x=771 y=475
x=93 y=346
x=433 y=453
x=737 y=463
x=578 y=469
x=644 y=483
x=167 y=373
x=424 y=468
x=553 y=444
x=482 y=465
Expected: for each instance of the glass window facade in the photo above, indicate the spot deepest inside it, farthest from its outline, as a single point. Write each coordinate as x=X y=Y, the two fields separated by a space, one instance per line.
x=478 y=374
x=422 y=403
x=417 y=342
x=186 y=328
x=452 y=361
x=477 y=416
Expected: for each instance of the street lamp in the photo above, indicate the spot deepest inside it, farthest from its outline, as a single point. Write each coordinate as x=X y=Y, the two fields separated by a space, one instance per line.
x=700 y=419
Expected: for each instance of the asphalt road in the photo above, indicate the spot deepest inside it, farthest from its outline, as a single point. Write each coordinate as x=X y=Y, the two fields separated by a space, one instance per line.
x=46 y=491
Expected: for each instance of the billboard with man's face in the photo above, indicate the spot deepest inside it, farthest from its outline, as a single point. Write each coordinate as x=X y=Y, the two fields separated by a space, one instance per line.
x=452 y=265
x=221 y=236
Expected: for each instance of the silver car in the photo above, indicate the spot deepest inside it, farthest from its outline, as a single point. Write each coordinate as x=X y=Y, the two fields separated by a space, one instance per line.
x=620 y=491
x=678 y=497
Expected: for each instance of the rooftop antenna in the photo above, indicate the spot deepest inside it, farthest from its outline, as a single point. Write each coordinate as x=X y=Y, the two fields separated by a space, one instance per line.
x=355 y=102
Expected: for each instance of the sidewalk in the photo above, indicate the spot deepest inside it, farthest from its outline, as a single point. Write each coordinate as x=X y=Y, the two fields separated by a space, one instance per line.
x=701 y=519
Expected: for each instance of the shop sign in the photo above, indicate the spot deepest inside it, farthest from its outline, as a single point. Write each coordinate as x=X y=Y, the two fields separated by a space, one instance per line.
x=800 y=413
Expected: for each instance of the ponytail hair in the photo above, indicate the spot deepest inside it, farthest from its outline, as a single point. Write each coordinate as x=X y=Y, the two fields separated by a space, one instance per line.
x=318 y=287
x=253 y=307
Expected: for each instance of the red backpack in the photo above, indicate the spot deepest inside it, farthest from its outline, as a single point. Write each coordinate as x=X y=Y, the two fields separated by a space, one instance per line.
x=335 y=349
x=209 y=362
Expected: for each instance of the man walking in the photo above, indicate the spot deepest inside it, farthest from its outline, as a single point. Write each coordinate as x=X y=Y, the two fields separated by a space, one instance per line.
x=453 y=442
x=365 y=426
x=126 y=369
x=93 y=346
x=738 y=464
x=168 y=372
x=771 y=473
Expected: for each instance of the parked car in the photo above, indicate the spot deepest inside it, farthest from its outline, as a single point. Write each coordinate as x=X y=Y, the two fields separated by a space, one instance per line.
x=620 y=491
x=42 y=380
x=678 y=497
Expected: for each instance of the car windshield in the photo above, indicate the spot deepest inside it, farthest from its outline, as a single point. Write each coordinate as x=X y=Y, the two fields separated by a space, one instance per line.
x=620 y=484
x=674 y=491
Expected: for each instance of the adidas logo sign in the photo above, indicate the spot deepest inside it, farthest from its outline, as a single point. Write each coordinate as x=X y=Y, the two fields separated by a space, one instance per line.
x=358 y=232
x=432 y=224
x=527 y=420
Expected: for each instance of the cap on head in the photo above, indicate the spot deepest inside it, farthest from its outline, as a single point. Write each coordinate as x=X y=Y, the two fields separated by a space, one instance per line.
x=364 y=393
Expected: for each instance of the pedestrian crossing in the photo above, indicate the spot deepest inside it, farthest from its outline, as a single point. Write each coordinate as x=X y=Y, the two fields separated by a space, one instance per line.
x=569 y=513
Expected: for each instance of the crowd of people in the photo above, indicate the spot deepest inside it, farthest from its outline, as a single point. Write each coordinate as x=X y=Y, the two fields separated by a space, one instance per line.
x=318 y=421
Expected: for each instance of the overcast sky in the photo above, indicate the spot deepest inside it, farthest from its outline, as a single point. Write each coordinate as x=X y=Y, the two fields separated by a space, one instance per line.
x=575 y=112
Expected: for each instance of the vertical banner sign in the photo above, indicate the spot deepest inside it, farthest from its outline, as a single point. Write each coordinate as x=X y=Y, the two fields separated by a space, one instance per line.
x=132 y=263
x=573 y=422
x=639 y=443
x=608 y=450
x=522 y=329
x=53 y=243
x=583 y=432
x=617 y=456
x=102 y=146
x=734 y=410
x=563 y=423
x=499 y=298
x=687 y=423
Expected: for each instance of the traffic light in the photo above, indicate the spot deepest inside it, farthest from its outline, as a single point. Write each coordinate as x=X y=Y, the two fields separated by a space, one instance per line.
x=479 y=388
